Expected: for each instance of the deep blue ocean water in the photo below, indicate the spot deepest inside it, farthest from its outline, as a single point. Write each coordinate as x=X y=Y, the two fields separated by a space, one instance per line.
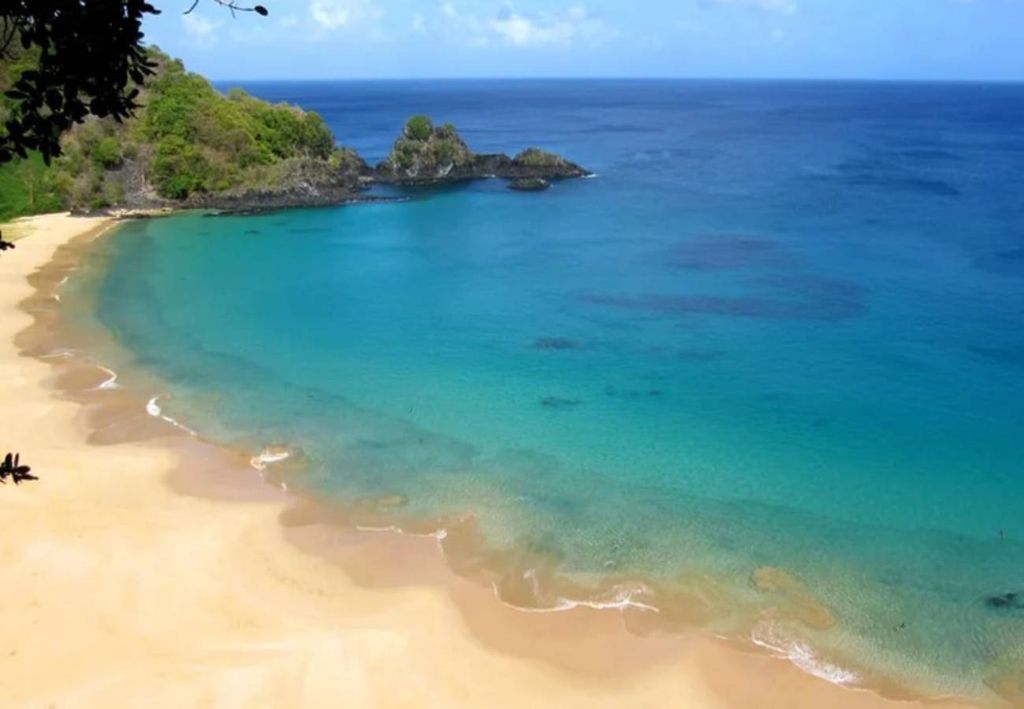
x=781 y=327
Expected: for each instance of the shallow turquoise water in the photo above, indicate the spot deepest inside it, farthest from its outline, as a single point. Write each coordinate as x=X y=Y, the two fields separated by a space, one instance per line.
x=782 y=327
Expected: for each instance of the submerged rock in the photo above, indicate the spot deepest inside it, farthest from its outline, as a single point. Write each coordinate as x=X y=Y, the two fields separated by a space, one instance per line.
x=559 y=404
x=529 y=184
x=1006 y=601
x=555 y=343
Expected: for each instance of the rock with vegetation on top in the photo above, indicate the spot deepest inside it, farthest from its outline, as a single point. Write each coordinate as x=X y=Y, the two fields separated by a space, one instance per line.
x=426 y=154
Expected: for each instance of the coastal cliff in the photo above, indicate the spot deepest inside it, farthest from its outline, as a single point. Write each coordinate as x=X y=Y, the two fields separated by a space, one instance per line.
x=191 y=146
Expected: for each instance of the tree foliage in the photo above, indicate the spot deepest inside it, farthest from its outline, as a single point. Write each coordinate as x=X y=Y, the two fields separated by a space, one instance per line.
x=424 y=149
x=204 y=141
x=419 y=128
x=86 y=58
x=64 y=60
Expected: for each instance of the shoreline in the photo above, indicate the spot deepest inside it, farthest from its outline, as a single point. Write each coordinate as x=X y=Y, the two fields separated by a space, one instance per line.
x=155 y=533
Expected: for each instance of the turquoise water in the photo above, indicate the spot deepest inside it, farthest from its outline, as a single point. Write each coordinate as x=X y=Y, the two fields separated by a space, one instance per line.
x=780 y=328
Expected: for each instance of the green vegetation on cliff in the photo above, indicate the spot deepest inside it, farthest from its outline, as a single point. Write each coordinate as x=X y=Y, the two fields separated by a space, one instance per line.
x=203 y=141
x=188 y=139
x=190 y=145
x=535 y=157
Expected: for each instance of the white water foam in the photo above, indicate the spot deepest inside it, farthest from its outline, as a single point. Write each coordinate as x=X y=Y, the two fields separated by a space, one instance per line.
x=56 y=295
x=768 y=635
x=268 y=457
x=154 y=410
x=620 y=598
x=440 y=535
x=109 y=383
x=58 y=354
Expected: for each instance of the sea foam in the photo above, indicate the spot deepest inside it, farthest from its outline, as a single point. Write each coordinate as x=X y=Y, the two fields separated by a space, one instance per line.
x=154 y=410
x=769 y=636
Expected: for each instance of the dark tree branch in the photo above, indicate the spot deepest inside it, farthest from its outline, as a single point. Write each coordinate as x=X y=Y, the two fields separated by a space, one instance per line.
x=232 y=6
x=91 y=61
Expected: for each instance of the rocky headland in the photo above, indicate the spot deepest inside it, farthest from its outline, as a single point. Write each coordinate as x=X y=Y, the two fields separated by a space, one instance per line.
x=423 y=154
x=190 y=146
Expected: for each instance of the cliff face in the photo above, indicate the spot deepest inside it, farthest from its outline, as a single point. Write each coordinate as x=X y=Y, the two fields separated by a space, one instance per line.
x=294 y=183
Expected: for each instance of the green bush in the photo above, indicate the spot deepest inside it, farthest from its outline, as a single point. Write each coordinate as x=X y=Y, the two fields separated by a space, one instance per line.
x=419 y=128
x=107 y=154
x=444 y=151
x=179 y=169
x=29 y=186
x=538 y=158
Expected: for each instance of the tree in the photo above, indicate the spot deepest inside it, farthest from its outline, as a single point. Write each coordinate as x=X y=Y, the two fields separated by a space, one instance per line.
x=88 y=59
x=419 y=128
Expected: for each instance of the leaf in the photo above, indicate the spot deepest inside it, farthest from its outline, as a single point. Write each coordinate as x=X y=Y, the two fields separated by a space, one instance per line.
x=54 y=100
x=260 y=10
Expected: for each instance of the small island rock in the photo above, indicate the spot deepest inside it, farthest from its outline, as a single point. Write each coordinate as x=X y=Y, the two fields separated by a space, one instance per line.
x=427 y=154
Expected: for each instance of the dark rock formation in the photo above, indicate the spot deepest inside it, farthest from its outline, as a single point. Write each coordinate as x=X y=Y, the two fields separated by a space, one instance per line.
x=1006 y=601
x=426 y=154
x=296 y=183
x=559 y=404
x=529 y=184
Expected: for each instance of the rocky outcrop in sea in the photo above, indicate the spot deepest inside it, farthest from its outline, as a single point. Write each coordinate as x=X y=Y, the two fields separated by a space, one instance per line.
x=423 y=155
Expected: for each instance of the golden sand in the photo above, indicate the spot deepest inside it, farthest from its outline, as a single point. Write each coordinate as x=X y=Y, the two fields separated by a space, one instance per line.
x=160 y=572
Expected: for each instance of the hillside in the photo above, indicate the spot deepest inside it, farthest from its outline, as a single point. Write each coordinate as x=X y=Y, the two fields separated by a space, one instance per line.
x=188 y=143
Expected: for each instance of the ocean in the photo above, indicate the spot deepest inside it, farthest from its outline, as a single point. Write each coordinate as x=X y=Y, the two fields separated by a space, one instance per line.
x=768 y=362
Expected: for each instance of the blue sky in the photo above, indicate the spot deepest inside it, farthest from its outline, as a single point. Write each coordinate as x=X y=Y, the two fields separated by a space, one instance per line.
x=879 y=39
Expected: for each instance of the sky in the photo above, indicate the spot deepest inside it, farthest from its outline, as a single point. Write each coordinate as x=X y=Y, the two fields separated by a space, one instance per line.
x=814 y=39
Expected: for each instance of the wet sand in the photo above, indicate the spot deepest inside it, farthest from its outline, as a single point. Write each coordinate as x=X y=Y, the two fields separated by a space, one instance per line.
x=148 y=567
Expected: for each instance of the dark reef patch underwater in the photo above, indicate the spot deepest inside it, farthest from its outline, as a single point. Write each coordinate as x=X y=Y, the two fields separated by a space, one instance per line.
x=760 y=374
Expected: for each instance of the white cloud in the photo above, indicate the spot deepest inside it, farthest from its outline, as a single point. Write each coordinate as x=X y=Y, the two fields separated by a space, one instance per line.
x=199 y=26
x=786 y=7
x=342 y=14
x=518 y=29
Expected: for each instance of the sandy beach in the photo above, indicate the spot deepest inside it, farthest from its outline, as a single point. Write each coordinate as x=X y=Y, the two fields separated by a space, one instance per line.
x=128 y=583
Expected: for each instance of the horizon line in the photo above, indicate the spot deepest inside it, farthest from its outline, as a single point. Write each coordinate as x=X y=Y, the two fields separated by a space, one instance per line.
x=740 y=79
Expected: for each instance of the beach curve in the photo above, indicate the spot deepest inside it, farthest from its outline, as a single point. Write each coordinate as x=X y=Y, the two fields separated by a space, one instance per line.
x=130 y=592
